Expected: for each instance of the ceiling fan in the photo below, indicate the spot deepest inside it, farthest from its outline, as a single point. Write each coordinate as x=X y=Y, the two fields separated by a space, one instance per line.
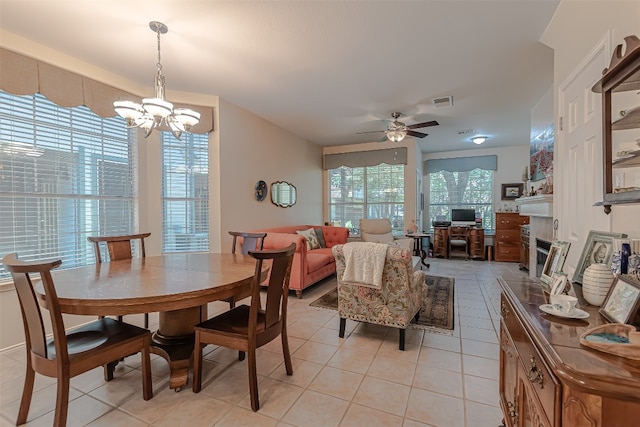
x=396 y=131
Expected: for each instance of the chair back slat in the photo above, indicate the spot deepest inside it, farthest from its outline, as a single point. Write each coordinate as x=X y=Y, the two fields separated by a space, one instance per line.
x=278 y=285
x=250 y=241
x=118 y=247
x=31 y=313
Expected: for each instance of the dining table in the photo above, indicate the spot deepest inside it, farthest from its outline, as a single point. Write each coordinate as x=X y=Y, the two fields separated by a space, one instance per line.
x=178 y=286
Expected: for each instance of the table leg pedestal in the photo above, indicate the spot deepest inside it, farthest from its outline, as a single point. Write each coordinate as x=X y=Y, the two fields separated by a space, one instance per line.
x=174 y=342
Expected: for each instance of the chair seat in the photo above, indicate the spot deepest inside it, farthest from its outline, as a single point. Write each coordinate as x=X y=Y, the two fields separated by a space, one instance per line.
x=458 y=243
x=234 y=321
x=95 y=336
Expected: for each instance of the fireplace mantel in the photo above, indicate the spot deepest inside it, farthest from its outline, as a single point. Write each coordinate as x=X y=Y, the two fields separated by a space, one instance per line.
x=540 y=205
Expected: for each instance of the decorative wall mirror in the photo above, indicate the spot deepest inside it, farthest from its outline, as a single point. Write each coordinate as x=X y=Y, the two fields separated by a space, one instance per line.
x=283 y=194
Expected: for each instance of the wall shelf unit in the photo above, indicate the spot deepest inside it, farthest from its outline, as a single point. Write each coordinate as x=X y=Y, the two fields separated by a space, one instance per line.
x=621 y=137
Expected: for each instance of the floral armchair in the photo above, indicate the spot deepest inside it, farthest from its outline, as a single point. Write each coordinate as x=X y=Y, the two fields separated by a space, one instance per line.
x=395 y=305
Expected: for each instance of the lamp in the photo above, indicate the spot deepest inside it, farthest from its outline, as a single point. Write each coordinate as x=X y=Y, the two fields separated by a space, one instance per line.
x=396 y=131
x=478 y=139
x=156 y=111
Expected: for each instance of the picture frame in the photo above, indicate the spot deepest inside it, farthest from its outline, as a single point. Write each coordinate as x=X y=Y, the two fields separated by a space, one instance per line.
x=554 y=262
x=598 y=248
x=560 y=284
x=622 y=301
x=512 y=191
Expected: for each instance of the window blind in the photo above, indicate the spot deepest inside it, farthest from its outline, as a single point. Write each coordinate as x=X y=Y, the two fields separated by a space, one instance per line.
x=65 y=174
x=367 y=192
x=185 y=193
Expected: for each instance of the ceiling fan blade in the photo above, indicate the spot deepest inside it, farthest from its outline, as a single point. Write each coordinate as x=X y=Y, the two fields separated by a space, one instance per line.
x=373 y=131
x=416 y=134
x=423 y=125
x=384 y=139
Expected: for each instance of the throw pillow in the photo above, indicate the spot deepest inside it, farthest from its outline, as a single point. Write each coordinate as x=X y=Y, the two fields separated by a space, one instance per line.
x=320 y=237
x=312 y=239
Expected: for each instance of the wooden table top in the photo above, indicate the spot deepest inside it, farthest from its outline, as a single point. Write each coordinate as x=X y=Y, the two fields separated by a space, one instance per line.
x=158 y=283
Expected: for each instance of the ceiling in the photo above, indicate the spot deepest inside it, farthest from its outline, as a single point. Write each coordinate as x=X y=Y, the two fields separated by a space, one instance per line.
x=323 y=70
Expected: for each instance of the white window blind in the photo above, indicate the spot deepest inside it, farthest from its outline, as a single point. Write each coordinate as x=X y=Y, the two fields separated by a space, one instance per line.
x=367 y=192
x=65 y=174
x=185 y=193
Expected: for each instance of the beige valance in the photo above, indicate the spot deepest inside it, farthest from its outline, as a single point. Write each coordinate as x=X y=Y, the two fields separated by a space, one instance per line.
x=21 y=75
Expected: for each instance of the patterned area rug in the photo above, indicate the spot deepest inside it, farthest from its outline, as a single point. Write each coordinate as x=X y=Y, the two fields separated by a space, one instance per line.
x=436 y=312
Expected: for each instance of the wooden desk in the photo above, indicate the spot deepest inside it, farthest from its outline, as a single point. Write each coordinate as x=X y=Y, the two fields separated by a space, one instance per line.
x=178 y=286
x=475 y=239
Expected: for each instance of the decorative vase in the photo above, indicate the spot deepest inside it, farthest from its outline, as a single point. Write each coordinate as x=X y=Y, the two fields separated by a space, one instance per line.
x=596 y=281
x=413 y=227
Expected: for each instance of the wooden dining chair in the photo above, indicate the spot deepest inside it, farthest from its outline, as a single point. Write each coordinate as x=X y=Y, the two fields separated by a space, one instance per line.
x=119 y=247
x=250 y=242
x=73 y=352
x=246 y=328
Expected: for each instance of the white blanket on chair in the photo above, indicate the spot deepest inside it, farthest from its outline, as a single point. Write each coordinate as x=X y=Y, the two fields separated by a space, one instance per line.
x=364 y=262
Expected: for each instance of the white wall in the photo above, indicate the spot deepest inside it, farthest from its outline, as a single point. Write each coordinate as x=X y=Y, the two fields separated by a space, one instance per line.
x=253 y=149
x=576 y=28
x=511 y=162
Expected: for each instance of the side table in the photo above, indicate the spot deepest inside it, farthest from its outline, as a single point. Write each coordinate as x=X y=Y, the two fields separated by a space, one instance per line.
x=418 y=250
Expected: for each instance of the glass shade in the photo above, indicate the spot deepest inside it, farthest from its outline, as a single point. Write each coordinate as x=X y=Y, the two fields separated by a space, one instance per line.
x=396 y=135
x=157 y=107
x=186 y=117
x=128 y=109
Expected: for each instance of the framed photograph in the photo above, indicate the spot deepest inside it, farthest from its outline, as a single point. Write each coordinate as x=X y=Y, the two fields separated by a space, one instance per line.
x=622 y=301
x=512 y=191
x=598 y=248
x=559 y=284
x=554 y=263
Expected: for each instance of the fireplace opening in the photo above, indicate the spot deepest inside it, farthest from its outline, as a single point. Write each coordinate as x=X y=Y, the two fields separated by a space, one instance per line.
x=542 y=251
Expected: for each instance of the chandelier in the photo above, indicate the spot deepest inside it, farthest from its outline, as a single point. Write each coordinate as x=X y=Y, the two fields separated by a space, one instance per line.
x=157 y=111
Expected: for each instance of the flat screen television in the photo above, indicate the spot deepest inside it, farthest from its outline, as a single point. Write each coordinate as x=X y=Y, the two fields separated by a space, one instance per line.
x=463 y=217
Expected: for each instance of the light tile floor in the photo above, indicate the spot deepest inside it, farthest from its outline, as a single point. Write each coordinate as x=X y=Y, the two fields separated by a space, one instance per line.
x=360 y=380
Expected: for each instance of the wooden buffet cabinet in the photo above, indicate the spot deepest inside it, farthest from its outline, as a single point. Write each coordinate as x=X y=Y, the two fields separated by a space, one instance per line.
x=547 y=379
x=507 y=240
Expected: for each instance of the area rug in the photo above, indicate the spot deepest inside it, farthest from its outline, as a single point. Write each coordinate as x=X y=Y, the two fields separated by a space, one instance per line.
x=436 y=314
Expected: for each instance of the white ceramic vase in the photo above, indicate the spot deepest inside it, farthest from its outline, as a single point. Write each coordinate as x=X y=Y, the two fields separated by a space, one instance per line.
x=596 y=281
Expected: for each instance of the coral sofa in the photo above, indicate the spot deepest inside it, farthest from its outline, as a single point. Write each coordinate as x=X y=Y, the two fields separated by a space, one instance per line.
x=309 y=266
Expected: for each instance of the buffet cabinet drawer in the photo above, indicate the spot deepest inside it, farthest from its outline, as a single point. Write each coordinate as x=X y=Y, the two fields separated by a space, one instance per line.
x=538 y=388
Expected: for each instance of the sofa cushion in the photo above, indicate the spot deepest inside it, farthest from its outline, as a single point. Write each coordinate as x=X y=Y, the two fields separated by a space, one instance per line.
x=312 y=239
x=318 y=259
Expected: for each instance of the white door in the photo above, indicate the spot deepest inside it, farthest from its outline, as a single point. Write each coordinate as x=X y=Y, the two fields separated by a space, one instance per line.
x=578 y=163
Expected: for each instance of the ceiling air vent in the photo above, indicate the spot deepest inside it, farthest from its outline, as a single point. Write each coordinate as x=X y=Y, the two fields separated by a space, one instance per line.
x=445 y=101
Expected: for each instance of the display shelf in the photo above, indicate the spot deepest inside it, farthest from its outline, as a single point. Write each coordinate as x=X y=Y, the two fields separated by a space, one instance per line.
x=622 y=75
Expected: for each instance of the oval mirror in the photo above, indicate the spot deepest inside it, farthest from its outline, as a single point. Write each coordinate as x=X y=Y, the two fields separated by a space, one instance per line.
x=283 y=194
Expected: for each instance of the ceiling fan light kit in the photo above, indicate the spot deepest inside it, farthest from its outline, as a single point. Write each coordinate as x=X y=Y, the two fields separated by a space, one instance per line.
x=396 y=131
x=154 y=112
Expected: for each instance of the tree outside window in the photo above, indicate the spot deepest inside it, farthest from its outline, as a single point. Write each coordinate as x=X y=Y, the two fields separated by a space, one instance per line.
x=466 y=190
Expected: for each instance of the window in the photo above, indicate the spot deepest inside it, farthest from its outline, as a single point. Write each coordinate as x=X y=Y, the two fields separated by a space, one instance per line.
x=65 y=174
x=467 y=190
x=367 y=192
x=185 y=193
